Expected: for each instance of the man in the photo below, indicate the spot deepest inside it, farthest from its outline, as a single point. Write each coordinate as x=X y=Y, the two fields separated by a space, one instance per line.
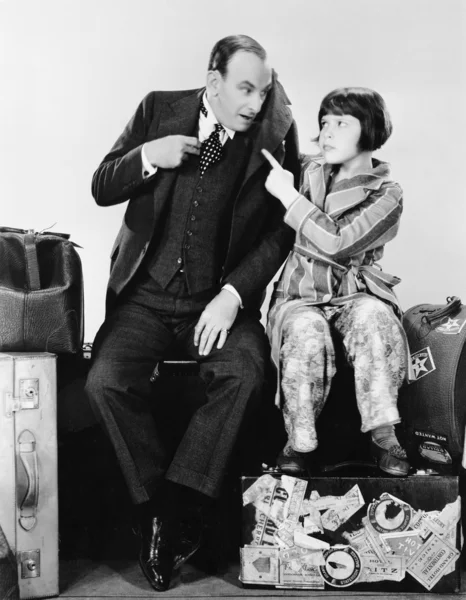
x=200 y=241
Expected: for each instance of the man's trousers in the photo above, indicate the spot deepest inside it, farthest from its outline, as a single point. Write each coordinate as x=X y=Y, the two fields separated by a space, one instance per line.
x=373 y=343
x=134 y=337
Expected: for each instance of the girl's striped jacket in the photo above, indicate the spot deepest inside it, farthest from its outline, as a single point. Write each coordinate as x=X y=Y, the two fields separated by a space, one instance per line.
x=340 y=236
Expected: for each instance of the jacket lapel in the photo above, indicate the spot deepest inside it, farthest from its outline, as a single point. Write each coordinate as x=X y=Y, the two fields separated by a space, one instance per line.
x=350 y=194
x=318 y=175
x=178 y=118
x=271 y=131
x=345 y=195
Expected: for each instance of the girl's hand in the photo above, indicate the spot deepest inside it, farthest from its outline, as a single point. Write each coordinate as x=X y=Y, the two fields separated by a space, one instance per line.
x=280 y=182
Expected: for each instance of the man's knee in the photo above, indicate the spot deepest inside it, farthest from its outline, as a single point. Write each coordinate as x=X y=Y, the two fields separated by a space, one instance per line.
x=98 y=380
x=246 y=366
x=106 y=377
x=246 y=355
x=254 y=369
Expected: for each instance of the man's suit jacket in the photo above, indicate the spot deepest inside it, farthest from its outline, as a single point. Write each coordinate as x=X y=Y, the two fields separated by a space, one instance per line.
x=259 y=239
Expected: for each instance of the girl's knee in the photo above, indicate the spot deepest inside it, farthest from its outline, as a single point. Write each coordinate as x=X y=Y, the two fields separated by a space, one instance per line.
x=307 y=350
x=372 y=317
x=374 y=308
x=305 y=325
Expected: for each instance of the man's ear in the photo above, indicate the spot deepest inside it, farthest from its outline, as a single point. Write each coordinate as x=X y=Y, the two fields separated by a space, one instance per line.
x=213 y=82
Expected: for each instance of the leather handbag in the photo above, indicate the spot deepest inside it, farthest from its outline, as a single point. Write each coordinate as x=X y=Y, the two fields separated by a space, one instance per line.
x=41 y=292
x=433 y=406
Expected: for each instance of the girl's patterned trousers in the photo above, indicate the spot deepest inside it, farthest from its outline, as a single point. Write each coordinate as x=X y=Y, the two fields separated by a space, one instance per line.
x=374 y=345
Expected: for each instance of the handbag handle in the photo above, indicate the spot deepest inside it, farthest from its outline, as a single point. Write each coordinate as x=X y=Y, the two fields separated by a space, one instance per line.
x=65 y=236
x=452 y=307
x=32 y=263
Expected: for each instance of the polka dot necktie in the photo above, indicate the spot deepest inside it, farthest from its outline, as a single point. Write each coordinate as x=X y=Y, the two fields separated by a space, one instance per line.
x=211 y=150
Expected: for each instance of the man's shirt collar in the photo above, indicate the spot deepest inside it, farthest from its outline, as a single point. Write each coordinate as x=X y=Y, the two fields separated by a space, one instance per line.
x=207 y=124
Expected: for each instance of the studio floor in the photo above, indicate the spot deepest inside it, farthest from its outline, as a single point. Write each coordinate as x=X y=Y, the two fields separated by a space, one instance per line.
x=84 y=579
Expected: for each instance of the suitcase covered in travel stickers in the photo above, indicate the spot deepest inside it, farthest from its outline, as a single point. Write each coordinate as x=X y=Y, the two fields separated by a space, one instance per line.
x=28 y=469
x=433 y=406
x=352 y=534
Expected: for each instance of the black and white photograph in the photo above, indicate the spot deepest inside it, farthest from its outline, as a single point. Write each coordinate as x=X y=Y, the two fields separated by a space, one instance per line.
x=232 y=328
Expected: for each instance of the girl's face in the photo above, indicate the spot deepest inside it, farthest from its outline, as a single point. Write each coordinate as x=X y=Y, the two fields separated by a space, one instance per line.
x=339 y=138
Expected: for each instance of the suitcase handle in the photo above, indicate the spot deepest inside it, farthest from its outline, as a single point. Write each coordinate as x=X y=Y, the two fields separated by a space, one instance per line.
x=28 y=455
x=32 y=262
x=452 y=307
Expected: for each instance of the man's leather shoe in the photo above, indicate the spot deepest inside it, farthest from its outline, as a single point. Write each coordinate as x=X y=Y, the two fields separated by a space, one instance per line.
x=190 y=530
x=157 y=555
x=392 y=460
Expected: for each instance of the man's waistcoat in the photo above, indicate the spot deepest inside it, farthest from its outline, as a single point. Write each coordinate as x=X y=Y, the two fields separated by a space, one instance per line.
x=197 y=223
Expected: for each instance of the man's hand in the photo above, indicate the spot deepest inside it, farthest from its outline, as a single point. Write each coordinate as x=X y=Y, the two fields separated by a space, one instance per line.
x=280 y=183
x=215 y=322
x=169 y=152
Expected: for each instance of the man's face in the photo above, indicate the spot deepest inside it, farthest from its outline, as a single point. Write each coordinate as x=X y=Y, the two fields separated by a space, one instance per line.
x=339 y=138
x=237 y=97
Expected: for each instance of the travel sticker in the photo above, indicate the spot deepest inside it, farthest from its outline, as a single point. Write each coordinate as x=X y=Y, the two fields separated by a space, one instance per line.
x=433 y=559
x=451 y=326
x=422 y=363
x=300 y=575
x=259 y=565
x=388 y=514
x=342 y=566
x=435 y=453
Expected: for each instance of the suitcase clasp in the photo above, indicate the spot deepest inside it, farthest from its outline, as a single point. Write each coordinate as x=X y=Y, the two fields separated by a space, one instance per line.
x=30 y=563
x=28 y=397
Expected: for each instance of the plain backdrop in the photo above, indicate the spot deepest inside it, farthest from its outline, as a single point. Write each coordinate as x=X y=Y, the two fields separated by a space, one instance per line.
x=73 y=71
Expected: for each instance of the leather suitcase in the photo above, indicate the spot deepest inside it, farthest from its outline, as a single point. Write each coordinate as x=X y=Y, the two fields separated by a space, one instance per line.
x=433 y=406
x=28 y=469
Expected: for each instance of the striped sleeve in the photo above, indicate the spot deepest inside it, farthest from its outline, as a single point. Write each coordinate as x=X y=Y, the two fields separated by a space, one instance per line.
x=357 y=230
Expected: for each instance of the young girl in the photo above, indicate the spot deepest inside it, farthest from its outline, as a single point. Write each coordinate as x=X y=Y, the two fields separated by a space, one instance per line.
x=331 y=287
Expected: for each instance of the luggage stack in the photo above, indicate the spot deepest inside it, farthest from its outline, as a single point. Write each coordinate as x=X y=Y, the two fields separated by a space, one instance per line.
x=28 y=469
x=360 y=531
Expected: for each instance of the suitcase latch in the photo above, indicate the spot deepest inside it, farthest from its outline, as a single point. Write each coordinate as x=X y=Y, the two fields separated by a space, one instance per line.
x=28 y=397
x=30 y=564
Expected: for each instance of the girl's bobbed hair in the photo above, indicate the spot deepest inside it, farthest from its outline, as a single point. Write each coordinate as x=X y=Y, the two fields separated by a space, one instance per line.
x=367 y=106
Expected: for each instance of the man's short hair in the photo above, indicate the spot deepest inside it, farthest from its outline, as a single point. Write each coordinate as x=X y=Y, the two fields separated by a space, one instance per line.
x=226 y=48
x=367 y=106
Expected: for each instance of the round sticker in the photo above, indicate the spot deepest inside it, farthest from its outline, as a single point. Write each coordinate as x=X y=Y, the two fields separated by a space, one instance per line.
x=342 y=566
x=435 y=453
x=389 y=515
